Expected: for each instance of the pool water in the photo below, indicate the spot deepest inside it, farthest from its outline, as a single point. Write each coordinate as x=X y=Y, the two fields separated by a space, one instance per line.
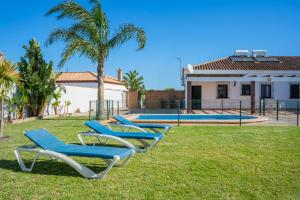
x=193 y=117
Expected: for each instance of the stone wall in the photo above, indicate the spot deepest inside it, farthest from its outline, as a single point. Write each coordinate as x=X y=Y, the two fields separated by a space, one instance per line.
x=132 y=100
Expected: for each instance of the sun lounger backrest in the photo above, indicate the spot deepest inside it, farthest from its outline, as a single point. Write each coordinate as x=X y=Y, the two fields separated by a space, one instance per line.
x=98 y=127
x=123 y=120
x=44 y=139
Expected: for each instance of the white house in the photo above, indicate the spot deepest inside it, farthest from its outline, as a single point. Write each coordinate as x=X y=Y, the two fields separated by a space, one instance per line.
x=243 y=76
x=81 y=88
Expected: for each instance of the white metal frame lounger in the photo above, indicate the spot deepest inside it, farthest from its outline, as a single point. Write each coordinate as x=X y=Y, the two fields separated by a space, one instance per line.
x=102 y=134
x=157 y=128
x=83 y=170
x=127 y=144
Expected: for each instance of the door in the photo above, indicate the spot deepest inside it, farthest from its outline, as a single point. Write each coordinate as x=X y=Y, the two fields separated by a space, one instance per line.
x=196 y=97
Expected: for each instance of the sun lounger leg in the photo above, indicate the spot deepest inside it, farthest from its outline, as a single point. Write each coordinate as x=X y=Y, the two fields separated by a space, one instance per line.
x=150 y=146
x=125 y=161
x=20 y=160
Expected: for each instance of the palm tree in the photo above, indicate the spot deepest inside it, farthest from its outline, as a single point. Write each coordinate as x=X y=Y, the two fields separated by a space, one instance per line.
x=90 y=37
x=67 y=104
x=8 y=77
x=133 y=81
x=56 y=97
x=21 y=100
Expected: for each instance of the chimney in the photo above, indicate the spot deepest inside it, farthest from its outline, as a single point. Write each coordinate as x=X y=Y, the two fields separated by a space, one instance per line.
x=1 y=56
x=120 y=74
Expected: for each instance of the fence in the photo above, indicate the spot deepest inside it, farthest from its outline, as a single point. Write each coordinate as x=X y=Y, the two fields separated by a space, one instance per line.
x=281 y=111
x=277 y=111
x=111 y=108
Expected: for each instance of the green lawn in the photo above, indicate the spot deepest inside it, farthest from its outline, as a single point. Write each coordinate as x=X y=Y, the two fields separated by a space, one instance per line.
x=190 y=163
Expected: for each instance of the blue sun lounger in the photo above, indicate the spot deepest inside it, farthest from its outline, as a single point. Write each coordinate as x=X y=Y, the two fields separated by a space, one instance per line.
x=154 y=127
x=46 y=144
x=102 y=132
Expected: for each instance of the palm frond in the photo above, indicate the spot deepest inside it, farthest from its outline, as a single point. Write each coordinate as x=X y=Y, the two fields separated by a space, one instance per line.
x=127 y=32
x=101 y=20
x=8 y=76
x=70 y=9
x=78 y=45
x=134 y=81
x=86 y=31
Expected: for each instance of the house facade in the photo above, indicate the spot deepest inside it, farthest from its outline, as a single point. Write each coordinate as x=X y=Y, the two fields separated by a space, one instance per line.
x=81 y=88
x=244 y=76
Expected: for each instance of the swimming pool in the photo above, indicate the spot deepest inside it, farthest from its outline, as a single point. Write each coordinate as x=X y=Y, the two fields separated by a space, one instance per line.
x=196 y=118
x=193 y=117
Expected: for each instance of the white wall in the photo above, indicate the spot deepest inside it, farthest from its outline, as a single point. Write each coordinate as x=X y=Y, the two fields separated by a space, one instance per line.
x=80 y=94
x=280 y=91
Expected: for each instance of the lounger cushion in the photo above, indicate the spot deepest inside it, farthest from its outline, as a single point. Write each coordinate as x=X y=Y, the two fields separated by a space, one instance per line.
x=125 y=121
x=95 y=151
x=99 y=128
x=48 y=141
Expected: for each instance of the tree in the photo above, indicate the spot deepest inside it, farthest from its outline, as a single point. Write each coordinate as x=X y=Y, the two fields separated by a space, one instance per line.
x=67 y=104
x=56 y=97
x=38 y=78
x=90 y=37
x=21 y=100
x=10 y=107
x=170 y=89
x=134 y=82
x=8 y=78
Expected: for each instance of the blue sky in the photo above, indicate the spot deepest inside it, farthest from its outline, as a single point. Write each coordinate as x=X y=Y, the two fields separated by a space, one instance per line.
x=195 y=30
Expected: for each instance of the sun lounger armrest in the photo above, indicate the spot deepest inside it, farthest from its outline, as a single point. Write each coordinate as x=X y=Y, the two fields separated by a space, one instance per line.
x=103 y=136
x=135 y=127
x=128 y=127
x=110 y=125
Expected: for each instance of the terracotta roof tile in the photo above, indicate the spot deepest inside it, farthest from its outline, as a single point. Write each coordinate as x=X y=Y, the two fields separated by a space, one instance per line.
x=87 y=77
x=285 y=63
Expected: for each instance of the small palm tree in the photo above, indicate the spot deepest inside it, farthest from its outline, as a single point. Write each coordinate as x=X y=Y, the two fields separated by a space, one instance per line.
x=67 y=104
x=56 y=97
x=10 y=107
x=133 y=81
x=90 y=36
x=21 y=100
x=55 y=106
x=8 y=78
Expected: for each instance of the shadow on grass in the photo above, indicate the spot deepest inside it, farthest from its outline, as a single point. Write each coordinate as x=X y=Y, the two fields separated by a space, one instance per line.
x=48 y=167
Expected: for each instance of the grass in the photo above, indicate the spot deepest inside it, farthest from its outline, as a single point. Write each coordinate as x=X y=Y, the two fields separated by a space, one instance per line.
x=190 y=163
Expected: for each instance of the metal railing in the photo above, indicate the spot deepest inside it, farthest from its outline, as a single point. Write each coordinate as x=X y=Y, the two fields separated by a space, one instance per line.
x=277 y=111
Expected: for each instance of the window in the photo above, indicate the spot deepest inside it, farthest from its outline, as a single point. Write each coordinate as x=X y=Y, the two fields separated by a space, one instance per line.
x=222 y=91
x=294 y=91
x=265 y=91
x=246 y=90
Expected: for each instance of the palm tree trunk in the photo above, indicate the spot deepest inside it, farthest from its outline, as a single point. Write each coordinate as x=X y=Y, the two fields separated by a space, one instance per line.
x=2 y=118
x=41 y=108
x=100 y=96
